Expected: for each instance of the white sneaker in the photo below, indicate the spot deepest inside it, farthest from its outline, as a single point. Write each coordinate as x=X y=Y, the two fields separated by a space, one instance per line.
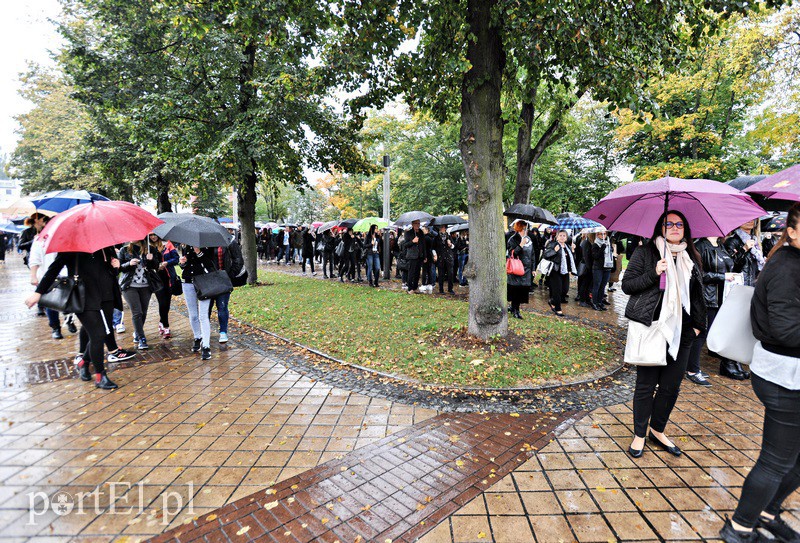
x=120 y=328
x=223 y=337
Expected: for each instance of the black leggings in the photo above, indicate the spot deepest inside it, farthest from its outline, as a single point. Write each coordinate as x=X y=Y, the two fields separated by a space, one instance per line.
x=95 y=334
x=776 y=474
x=327 y=263
x=559 y=287
x=164 y=297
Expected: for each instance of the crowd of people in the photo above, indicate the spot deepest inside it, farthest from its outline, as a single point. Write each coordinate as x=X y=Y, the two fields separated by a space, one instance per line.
x=420 y=255
x=134 y=272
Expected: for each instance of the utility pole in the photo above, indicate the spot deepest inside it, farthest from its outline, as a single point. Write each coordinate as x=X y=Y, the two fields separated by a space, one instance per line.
x=387 y=273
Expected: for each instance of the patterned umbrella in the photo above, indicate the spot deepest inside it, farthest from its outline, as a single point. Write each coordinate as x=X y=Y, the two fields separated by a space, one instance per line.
x=576 y=223
x=774 y=224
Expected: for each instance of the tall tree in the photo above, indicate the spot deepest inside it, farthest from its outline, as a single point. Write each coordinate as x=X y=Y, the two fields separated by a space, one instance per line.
x=467 y=45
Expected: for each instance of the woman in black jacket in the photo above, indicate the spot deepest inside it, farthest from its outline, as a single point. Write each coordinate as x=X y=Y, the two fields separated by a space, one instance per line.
x=347 y=258
x=138 y=264
x=745 y=249
x=682 y=320
x=775 y=317
x=717 y=268
x=98 y=272
x=309 y=241
x=195 y=262
x=518 y=286
x=558 y=252
x=602 y=265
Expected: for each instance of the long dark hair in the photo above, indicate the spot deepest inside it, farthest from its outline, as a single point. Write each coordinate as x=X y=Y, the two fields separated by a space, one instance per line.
x=687 y=235
x=793 y=220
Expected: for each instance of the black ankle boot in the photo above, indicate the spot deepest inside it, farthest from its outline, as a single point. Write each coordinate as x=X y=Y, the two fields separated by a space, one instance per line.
x=57 y=333
x=83 y=370
x=730 y=535
x=743 y=371
x=727 y=368
x=518 y=314
x=102 y=381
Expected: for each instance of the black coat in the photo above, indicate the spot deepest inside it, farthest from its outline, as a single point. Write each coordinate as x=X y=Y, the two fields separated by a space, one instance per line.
x=775 y=310
x=598 y=253
x=716 y=263
x=554 y=256
x=641 y=283
x=127 y=271
x=309 y=240
x=525 y=254
x=197 y=264
x=414 y=251
x=744 y=261
x=96 y=272
x=444 y=252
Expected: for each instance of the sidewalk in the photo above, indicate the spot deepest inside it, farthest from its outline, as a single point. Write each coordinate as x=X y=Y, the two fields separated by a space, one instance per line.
x=268 y=454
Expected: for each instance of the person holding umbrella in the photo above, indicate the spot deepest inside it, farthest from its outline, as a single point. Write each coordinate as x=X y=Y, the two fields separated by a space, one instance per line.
x=372 y=248
x=679 y=310
x=171 y=282
x=414 y=247
x=138 y=281
x=444 y=258
x=775 y=318
x=518 y=287
x=194 y=262
x=602 y=265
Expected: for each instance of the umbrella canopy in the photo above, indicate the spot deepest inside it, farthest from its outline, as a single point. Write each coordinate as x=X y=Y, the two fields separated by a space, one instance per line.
x=347 y=223
x=62 y=200
x=194 y=230
x=271 y=225
x=459 y=228
x=364 y=224
x=576 y=223
x=447 y=220
x=774 y=224
x=712 y=208
x=530 y=213
x=24 y=208
x=316 y=224
x=94 y=226
x=410 y=216
x=327 y=226
x=287 y=224
x=10 y=228
x=784 y=185
x=745 y=181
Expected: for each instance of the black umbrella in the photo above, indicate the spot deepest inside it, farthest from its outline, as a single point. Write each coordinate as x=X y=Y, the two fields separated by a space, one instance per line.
x=194 y=230
x=745 y=181
x=289 y=224
x=459 y=228
x=348 y=223
x=530 y=213
x=447 y=220
x=410 y=216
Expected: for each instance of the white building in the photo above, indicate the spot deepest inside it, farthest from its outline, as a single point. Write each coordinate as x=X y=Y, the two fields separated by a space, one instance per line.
x=10 y=191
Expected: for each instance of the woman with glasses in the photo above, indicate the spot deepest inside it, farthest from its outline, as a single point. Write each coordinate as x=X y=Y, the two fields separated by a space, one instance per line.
x=680 y=312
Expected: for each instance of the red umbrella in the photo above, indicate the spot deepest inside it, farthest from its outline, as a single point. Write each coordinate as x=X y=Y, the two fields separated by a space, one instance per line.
x=90 y=227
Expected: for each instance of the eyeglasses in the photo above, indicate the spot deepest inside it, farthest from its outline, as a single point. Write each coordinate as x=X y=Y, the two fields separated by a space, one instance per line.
x=671 y=224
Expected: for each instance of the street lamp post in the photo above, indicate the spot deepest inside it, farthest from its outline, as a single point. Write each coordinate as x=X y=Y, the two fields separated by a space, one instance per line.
x=387 y=273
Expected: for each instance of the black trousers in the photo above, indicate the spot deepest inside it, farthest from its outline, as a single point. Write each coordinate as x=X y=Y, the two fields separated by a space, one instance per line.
x=657 y=387
x=164 y=297
x=445 y=268
x=414 y=267
x=327 y=262
x=776 y=474
x=311 y=260
x=584 y=286
x=97 y=330
x=559 y=288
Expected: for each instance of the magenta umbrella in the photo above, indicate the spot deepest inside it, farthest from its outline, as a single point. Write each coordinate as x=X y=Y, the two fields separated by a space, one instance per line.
x=784 y=185
x=712 y=208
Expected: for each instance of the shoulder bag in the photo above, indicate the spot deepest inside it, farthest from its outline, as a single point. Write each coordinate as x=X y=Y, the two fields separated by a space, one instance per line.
x=645 y=345
x=731 y=335
x=67 y=295
x=545 y=267
x=514 y=266
x=212 y=284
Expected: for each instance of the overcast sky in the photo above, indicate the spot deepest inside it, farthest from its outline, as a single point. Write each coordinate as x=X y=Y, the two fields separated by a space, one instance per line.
x=25 y=35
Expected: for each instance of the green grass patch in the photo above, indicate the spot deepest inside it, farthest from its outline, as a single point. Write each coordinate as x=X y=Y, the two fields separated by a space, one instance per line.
x=421 y=337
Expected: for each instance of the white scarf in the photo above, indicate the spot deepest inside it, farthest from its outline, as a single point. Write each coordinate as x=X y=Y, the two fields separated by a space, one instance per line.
x=676 y=293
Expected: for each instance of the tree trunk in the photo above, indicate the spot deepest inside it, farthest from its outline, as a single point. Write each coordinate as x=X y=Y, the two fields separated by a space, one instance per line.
x=482 y=154
x=522 y=191
x=246 y=196
x=163 y=204
x=246 y=191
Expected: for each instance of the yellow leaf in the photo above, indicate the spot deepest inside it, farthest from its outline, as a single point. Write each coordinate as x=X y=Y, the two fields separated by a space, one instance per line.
x=271 y=491
x=481 y=535
x=271 y=505
x=243 y=530
x=324 y=521
x=477 y=362
x=209 y=518
x=512 y=415
x=459 y=463
x=600 y=489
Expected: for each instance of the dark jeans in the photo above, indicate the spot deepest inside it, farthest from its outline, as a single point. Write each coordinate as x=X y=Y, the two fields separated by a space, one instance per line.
x=373 y=268
x=776 y=474
x=599 y=282
x=584 y=286
x=222 y=311
x=138 y=300
x=657 y=387
x=310 y=260
x=697 y=346
x=52 y=318
x=559 y=287
x=414 y=266
x=164 y=297
x=462 y=261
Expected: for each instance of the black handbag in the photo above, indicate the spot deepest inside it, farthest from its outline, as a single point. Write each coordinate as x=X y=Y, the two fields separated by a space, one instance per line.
x=212 y=284
x=67 y=295
x=177 y=287
x=154 y=280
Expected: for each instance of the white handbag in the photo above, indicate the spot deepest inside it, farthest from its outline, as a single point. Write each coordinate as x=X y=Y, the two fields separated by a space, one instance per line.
x=646 y=345
x=731 y=335
x=545 y=267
